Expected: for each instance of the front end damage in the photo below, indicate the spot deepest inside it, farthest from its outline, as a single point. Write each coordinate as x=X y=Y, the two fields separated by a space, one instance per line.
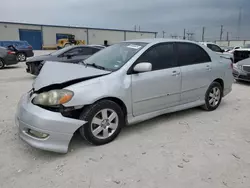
x=52 y=127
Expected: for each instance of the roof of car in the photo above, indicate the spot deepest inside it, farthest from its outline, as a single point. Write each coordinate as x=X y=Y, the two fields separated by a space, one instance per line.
x=157 y=40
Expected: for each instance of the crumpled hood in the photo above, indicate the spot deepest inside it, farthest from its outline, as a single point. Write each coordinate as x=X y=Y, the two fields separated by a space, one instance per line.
x=58 y=73
x=39 y=58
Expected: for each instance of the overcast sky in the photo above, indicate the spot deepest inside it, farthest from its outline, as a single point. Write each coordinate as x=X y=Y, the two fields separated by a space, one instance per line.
x=172 y=16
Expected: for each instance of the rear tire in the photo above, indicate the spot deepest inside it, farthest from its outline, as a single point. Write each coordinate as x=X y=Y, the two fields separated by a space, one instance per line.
x=105 y=120
x=2 y=64
x=213 y=97
x=21 y=57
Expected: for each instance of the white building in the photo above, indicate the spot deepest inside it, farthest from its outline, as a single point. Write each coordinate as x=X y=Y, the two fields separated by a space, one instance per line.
x=47 y=35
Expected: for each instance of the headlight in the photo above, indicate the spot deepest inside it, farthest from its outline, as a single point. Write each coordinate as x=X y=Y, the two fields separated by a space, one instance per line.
x=239 y=66
x=53 y=97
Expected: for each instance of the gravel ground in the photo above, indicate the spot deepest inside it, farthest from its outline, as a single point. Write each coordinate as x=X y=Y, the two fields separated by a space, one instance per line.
x=192 y=148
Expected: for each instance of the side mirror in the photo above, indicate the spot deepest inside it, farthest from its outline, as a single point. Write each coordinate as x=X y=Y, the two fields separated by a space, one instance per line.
x=143 y=67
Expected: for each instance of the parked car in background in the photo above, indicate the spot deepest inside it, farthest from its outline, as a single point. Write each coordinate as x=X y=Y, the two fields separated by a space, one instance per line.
x=7 y=57
x=126 y=83
x=70 y=54
x=219 y=50
x=98 y=46
x=241 y=53
x=23 y=49
x=241 y=70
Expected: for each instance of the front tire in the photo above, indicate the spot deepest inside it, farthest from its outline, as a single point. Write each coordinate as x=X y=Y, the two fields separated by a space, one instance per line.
x=105 y=121
x=213 y=97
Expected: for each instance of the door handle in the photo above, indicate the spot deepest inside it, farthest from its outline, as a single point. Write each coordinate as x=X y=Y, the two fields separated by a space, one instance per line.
x=208 y=67
x=175 y=73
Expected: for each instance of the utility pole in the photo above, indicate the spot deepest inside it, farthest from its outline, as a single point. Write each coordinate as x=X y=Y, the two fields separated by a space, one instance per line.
x=135 y=27
x=203 y=34
x=139 y=28
x=190 y=35
x=174 y=36
x=221 y=32
x=184 y=34
x=227 y=36
x=163 y=34
x=239 y=23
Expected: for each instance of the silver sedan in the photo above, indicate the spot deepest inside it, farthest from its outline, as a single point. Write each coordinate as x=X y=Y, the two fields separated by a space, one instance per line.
x=125 y=83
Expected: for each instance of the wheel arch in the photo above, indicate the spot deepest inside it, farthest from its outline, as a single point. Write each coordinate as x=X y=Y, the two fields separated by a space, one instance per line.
x=220 y=81
x=117 y=101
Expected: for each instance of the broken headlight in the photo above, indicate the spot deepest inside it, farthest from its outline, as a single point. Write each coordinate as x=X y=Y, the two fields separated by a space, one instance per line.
x=53 y=97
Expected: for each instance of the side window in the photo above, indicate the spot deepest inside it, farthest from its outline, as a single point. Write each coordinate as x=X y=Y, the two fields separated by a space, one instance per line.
x=74 y=52
x=161 y=56
x=214 y=48
x=189 y=54
x=94 y=50
x=85 y=51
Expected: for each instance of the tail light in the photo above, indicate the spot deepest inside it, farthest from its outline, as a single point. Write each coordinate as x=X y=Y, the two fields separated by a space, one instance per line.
x=11 y=52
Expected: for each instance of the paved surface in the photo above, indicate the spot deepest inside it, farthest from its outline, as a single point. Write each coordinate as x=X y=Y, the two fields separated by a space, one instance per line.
x=191 y=148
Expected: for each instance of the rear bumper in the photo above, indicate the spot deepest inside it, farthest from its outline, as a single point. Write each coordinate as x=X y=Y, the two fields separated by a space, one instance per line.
x=59 y=129
x=29 y=53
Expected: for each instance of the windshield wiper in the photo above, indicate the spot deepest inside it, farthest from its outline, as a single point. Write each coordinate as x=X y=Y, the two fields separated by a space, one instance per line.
x=95 y=65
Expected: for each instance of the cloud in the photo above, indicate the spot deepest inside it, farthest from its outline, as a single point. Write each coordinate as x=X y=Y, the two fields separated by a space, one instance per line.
x=171 y=16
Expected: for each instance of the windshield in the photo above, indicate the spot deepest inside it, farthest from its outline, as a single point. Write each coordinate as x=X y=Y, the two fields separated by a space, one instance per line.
x=115 y=56
x=59 y=52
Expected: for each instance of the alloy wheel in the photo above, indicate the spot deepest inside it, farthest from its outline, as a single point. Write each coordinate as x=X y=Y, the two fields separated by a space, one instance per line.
x=104 y=123
x=21 y=57
x=214 y=96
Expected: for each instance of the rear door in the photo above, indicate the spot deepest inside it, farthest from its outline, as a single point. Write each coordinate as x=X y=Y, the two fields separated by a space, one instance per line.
x=195 y=65
x=159 y=88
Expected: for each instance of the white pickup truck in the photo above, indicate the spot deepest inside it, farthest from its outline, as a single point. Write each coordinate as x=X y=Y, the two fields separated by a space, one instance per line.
x=218 y=50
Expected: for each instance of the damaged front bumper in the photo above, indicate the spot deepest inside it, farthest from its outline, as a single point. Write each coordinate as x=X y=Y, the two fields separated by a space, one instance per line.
x=44 y=129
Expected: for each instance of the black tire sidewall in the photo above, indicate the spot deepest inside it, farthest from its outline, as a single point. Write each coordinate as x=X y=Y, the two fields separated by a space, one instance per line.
x=1 y=67
x=88 y=115
x=208 y=106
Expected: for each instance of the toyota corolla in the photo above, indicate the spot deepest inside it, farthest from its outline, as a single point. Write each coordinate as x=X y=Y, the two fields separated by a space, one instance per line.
x=123 y=84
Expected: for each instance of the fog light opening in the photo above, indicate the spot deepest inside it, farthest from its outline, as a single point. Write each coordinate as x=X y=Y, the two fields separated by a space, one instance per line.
x=37 y=134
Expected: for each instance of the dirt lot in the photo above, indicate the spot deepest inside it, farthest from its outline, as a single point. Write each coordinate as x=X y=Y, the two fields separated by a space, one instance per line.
x=191 y=148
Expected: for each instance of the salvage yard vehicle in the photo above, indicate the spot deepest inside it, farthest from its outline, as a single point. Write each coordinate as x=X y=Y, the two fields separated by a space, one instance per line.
x=70 y=40
x=241 y=70
x=241 y=53
x=219 y=50
x=22 y=48
x=7 y=57
x=71 y=54
x=125 y=83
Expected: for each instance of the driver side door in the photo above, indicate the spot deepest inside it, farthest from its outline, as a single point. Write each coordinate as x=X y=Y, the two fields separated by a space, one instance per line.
x=159 y=88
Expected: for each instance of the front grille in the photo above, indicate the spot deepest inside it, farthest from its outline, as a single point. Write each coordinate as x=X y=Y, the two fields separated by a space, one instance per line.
x=246 y=68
